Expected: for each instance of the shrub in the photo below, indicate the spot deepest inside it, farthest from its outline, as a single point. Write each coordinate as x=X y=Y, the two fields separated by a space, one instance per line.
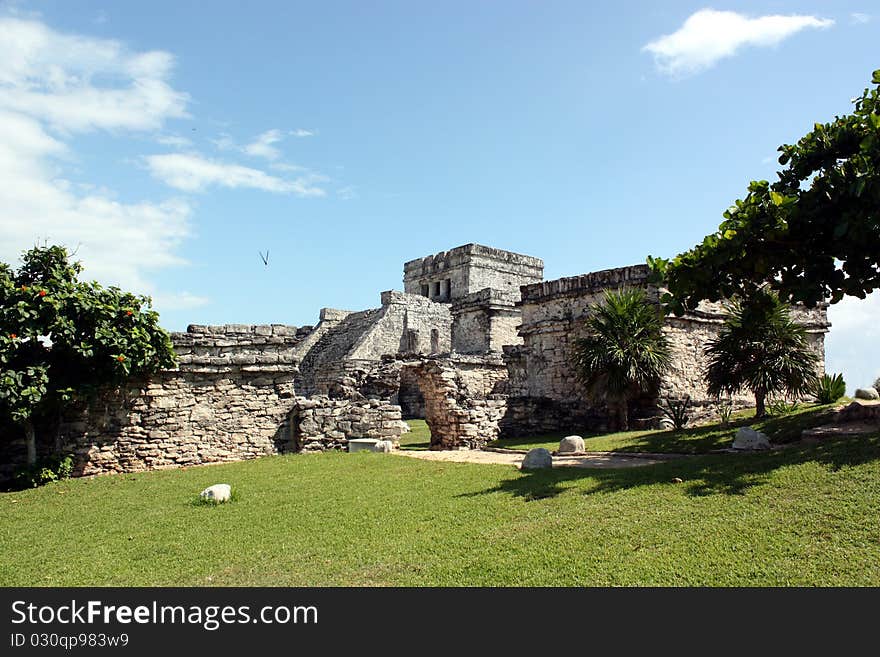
x=782 y=407
x=725 y=410
x=676 y=410
x=45 y=471
x=831 y=388
x=877 y=384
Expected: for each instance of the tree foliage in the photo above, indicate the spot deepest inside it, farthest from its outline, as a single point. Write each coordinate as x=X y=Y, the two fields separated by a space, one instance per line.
x=61 y=338
x=814 y=234
x=624 y=351
x=761 y=349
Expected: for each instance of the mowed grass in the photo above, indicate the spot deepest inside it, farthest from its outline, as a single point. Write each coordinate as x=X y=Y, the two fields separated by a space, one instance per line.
x=418 y=437
x=689 y=440
x=806 y=515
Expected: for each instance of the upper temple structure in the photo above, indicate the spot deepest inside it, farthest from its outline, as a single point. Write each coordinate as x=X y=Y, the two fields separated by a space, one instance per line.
x=478 y=344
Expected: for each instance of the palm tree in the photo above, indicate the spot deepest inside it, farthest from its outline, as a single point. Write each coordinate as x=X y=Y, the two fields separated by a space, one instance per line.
x=624 y=352
x=760 y=348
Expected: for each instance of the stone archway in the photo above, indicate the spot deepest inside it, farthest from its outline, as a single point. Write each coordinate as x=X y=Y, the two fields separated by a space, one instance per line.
x=463 y=397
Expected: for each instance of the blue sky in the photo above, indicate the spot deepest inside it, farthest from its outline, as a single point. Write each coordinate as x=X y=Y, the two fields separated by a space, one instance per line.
x=170 y=142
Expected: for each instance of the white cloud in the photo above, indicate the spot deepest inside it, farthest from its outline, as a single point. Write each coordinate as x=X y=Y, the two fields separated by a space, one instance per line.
x=262 y=145
x=174 y=140
x=224 y=142
x=285 y=166
x=77 y=83
x=302 y=132
x=851 y=345
x=51 y=86
x=191 y=172
x=708 y=36
x=179 y=301
x=859 y=18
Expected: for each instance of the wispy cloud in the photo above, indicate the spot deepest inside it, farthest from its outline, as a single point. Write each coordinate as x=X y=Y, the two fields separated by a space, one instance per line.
x=54 y=85
x=191 y=172
x=174 y=140
x=708 y=36
x=179 y=300
x=859 y=18
x=302 y=132
x=347 y=193
x=262 y=145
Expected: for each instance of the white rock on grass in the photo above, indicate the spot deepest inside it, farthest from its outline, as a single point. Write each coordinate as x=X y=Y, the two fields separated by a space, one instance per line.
x=217 y=493
x=384 y=446
x=536 y=459
x=867 y=393
x=572 y=445
x=748 y=438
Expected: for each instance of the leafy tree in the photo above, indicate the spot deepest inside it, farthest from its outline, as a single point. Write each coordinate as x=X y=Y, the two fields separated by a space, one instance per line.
x=812 y=235
x=624 y=352
x=761 y=349
x=62 y=339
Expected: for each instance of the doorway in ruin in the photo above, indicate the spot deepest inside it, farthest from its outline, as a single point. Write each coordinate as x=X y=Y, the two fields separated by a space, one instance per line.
x=409 y=396
x=411 y=399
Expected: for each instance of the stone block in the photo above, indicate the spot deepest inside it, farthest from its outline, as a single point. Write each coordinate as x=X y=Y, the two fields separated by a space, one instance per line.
x=362 y=445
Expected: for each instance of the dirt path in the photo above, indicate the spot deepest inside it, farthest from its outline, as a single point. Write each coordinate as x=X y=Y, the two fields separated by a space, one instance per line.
x=588 y=460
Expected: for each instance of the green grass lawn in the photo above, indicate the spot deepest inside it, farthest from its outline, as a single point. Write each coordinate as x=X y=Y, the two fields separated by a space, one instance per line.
x=419 y=436
x=690 y=440
x=806 y=515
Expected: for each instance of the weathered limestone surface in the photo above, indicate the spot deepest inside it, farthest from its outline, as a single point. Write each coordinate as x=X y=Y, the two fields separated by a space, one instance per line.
x=544 y=392
x=450 y=275
x=478 y=344
x=485 y=321
x=464 y=400
x=229 y=400
x=321 y=423
x=404 y=324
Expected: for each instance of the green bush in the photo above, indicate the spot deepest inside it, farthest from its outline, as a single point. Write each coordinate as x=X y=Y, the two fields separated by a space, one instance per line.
x=725 y=410
x=781 y=407
x=877 y=384
x=45 y=471
x=831 y=388
x=676 y=410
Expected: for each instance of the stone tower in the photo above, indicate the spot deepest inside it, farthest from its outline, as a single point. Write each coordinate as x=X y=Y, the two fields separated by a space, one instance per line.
x=451 y=275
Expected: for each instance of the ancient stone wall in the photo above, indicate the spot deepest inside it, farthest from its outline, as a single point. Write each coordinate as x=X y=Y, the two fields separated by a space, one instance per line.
x=408 y=324
x=544 y=392
x=405 y=323
x=229 y=400
x=318 y=424
x=464 y=399
x=485 y=321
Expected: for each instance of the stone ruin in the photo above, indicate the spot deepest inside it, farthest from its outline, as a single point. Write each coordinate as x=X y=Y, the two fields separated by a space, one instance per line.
x=478 y=344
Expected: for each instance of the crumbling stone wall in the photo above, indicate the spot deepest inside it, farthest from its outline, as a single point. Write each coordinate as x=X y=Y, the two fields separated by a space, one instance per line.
x=544 y=392
x=318 y=424
x=464 y=399
x=229 y=400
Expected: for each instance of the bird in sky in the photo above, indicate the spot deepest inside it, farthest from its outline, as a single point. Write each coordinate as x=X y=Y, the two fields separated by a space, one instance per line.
x=264 y=258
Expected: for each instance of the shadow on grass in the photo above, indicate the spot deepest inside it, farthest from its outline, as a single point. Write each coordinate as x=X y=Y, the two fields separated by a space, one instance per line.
x=715 y=474
x=693 y=440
